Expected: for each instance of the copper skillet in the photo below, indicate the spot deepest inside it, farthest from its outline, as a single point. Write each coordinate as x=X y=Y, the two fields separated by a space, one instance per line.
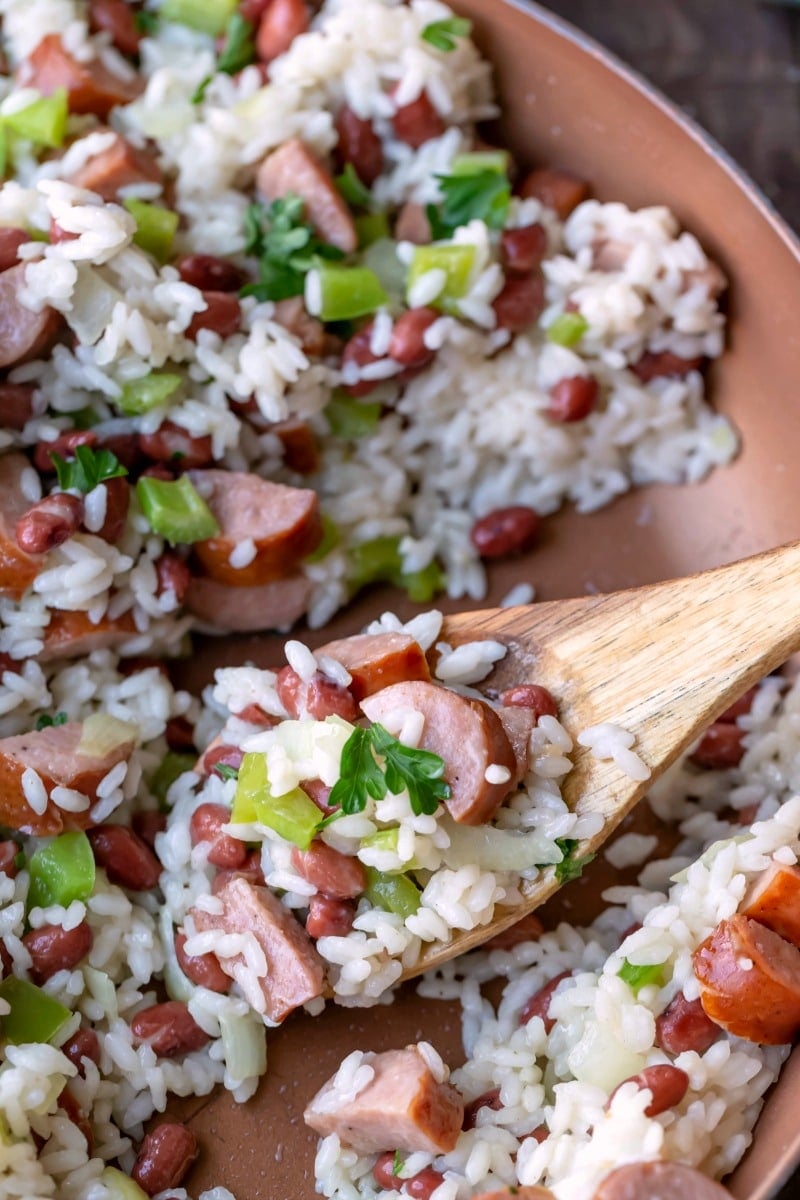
x=568 y=102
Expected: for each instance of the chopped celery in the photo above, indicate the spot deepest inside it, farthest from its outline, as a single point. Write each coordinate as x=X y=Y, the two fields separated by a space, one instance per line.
x=567 y=329
x=34 y=1016
x=140 y=395
x=155 y=227
x=206 y=16
x=371 y=227
x=348 y=292
x=381 y=257
x=394 y=893
x=481 y=160
x=379 y=561
x=4 y=149
x=351 y=189
x=171 y=767
x=244 y=1043
x=120 y=1186
x=385 y=840
x=251 y=784
x=61 y=871
x=331 y=537
x=421 y=586
x=455 y=261
x=176 y=984
x=350 y=417
x=293 y=816
x=175 y=509
x=638 y=977
x=44 y=122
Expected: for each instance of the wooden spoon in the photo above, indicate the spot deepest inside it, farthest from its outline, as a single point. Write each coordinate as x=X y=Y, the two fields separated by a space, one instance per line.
x=662 y=661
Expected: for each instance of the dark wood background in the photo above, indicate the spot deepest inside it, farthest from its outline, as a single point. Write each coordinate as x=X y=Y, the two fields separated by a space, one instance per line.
x=734 y=65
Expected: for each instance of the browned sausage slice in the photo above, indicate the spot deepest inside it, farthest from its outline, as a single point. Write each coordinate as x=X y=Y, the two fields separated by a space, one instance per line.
x=560 y=190
x=376 y=661
x=116 y=167
x=774 y=901
x=467 y=734
x=23 y=334
x=659 y=1181
x=73 y=635
x=11 y=238
x=16 y=404
x=750 y=981
x=284 y=524
x=403 y=1105
x=17 y=569
x=90 y=87
x=294 y=969
x=531 y=1192
x=300 y=450
x=518 y=724
x=293 y=168
x=248 y=610
x=53 y=753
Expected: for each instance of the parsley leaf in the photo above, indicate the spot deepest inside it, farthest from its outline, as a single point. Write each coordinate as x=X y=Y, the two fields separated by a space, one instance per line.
x=44 y=721
x=570 y=867
x=442 y=34
x=418 y=771
x=146 y=23
x=360 y=775
x=398 y=1162
x=286 y=245
x=351 y=189
x=87 y=469
x=226 y=771
x=485 y=195
x=238 y=51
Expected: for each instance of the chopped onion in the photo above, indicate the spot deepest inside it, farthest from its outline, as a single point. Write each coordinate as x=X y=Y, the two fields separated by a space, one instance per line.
x=494 y=849
x=244 y=1041
x=102 y=734
x=177 y=985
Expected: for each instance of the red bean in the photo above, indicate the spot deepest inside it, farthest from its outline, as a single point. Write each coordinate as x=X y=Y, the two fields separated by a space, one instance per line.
x=64 y=445
x=58 y=234
x=158 y=471
x=520 y=303
x=125 y=447
x=412 y=224
x=720 y=747
x=53 y=948
x=416 y=123
x=573 y=399
x=126 y=858
x=206 y=826
x=6 y=962
x=359 y=145
x=222 y=315
x=179 y=734
x=165 y=1155
x=253 y=10
x=522 y=250
x=255 y=715
x=172 y=575
x=420 y=1186
x=328 y=917
x=222 y=756
x=251 y=871
x=528 y=929
x=559 y=190
x=169 y=1028
x=318 y=697
x=339 y=876
x=16 y=404
x=489 y=1100
x=357 y=350
x=683 y=1025
x=530 y=695
x=119 y=19
x=664 y=363
x=505 y=531
x=48 y=523
x=319 y=792
x=283 y=21
x=83 y=1044
x=147 y=825
x=10 y=241
x=408 y=337
x=202 y=969
x=8 y=858
x=667 y=1084
x=72 y=1109
x=539 y=1003
x=211 y=274
x=118 y=498
x=738 y=708
x=172 y=444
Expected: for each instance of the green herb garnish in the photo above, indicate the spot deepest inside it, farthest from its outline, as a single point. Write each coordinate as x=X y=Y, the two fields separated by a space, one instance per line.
x=286 y=245
x=570 y=867
x=146 y=23
x=484 y=195
x=398 y=1162
x=442 y=34
x=638 y=977
x=87 y=469
x=361 y=776
x=238 y=51
x=226 y=771
x=44 y=721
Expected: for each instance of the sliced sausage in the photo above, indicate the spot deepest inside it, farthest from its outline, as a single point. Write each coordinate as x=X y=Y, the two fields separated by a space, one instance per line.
x=74 y=635
x=281 y=23
x=467 y=734
x=172 y=574
x=659 y=1181
x=403 y=1105
x=532 y=696
x=11 y=239
x=750 y=981
x=418 y=122
x=293 y=168
x=119 y=165
x=18 y=568
x=53 y=753
x=300 y=450
x=358 y=145
x=539 y=1003
x=294 y=968
x=23 y=334
x=340 y=876
x=318 y=697
x=90 y=87
x=16 y=404
x=248 y=610
x=560 y=190
x=118 y=19
x=284 y=524
x=530 y=1192
x=683 y=1025
x=293 y=316
x=518 y=724
x=654 y=365
x=376 y=661
x=412 y=224
x=774 y=900
x=667 y=1086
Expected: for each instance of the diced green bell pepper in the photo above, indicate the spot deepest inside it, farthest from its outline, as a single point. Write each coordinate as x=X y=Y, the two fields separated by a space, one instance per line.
x=34 y=1016
x=393 y=893
x=61 y=871
x=206 y=16
x=155 y=227
x=351 y=189
x=350 y=417
x=455 y=260
x=379 y=561
x=175 y=509
x=171 y=767
x=293 y=816
x=371 y=227
x=348 y=292
x=331 y=537
x=43 y=122
x=638 y=977
x=120 y=1186
x=140 y=395
x=476 y=161
x=567 y=329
